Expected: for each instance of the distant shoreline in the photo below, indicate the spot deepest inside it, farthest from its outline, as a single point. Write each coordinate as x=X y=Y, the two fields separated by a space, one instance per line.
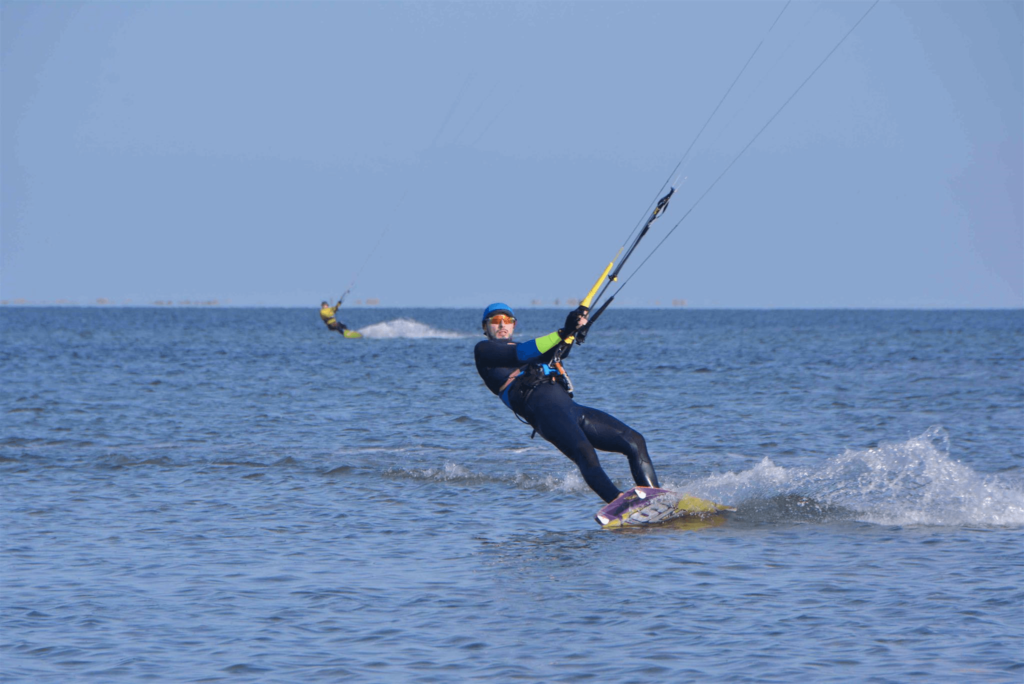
x=532 y=307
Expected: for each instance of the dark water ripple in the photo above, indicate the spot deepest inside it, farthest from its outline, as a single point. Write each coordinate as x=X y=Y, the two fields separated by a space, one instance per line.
x=236 y=495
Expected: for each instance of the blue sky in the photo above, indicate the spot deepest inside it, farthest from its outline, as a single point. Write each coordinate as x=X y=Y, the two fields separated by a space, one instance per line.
x=451 y=154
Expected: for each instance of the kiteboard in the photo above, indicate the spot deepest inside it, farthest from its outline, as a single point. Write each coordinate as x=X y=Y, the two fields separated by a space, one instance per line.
x=651 y=505
x=351 y=334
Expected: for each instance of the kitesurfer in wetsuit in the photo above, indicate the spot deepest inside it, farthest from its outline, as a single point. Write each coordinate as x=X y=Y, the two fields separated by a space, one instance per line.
x=519 y=374
x=327 y=313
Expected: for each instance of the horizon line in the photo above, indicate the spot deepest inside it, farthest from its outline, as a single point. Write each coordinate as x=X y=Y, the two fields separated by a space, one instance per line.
x=208 y=305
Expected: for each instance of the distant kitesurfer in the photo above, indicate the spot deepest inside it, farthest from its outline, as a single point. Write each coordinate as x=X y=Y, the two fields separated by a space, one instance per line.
x=327 y=313
x=519 y=374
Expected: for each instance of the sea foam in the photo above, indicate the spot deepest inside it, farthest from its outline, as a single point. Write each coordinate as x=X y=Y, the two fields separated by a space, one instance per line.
x=912 y=482
x=405 y=328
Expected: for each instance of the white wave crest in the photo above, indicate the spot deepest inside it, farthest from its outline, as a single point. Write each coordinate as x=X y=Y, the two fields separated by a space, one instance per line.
x=406 y=328
x=571 y=482
x=449 y=472
x=914 y=482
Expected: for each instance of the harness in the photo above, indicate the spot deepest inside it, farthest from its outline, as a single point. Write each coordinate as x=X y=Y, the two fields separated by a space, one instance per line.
x=521 y=383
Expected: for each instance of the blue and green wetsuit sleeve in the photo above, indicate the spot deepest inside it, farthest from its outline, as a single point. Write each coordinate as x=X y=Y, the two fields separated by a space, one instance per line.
x=534 y=349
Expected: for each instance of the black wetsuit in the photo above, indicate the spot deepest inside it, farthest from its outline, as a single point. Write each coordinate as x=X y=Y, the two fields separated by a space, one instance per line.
x=575 y=430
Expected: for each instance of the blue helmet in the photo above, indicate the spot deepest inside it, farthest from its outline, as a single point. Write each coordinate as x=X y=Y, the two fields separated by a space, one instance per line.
x=497 y=308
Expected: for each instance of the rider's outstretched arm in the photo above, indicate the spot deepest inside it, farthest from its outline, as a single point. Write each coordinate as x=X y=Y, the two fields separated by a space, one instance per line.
x=495 y=353
x=535 y=348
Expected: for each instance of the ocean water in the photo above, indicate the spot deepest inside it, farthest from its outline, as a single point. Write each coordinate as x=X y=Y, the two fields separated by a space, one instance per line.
x=231 y=495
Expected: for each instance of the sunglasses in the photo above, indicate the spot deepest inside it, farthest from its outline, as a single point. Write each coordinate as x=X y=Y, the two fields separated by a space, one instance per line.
x=501 y=318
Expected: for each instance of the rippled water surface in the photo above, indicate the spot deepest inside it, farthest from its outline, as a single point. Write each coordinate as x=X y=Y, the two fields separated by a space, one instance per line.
x=241 y=495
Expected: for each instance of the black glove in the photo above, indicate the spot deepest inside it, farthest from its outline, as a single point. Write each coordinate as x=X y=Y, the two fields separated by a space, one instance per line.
x=572 y=321
x=581 y=335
